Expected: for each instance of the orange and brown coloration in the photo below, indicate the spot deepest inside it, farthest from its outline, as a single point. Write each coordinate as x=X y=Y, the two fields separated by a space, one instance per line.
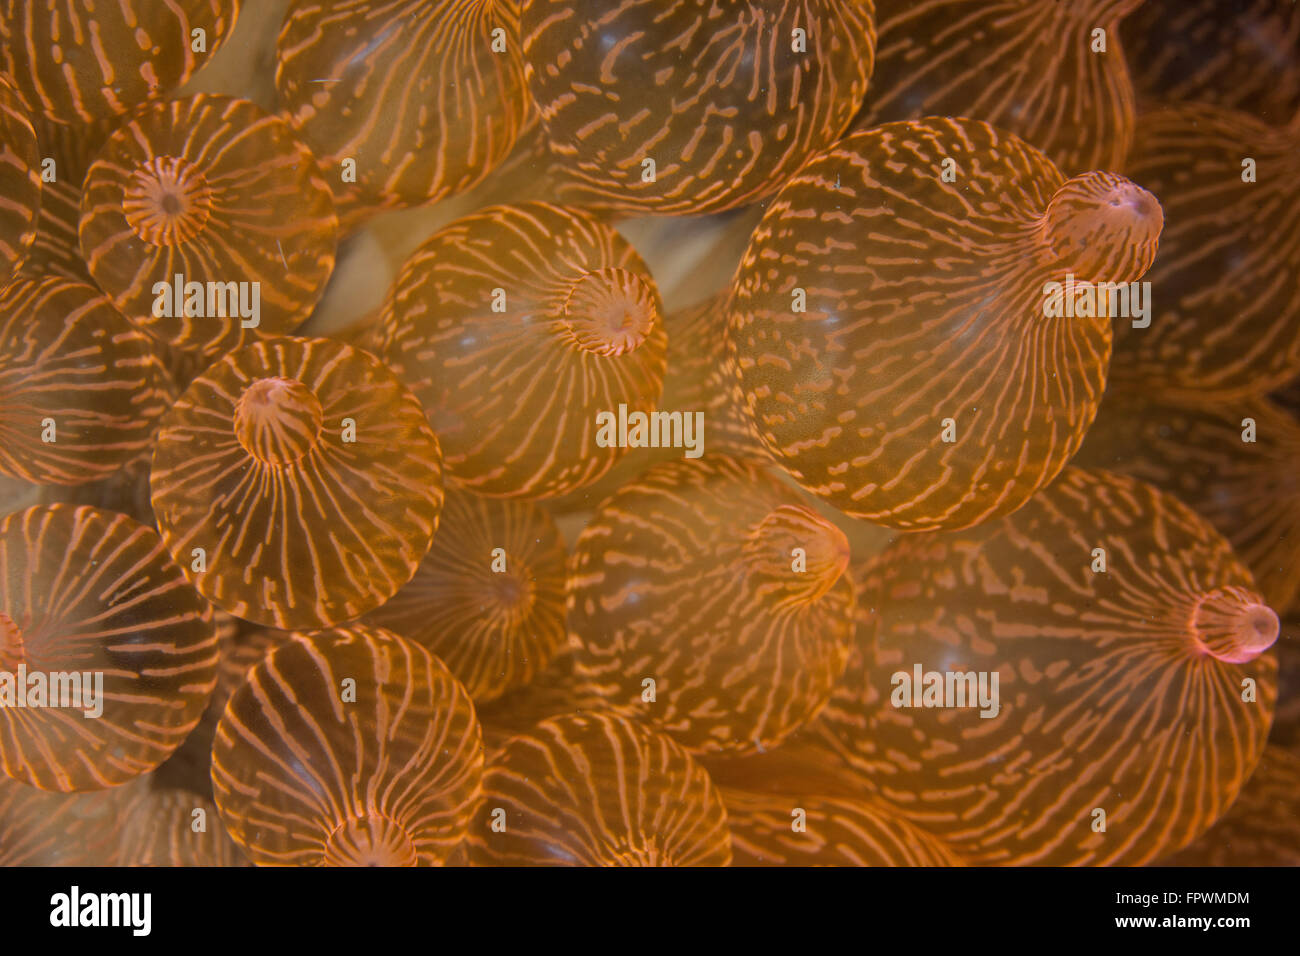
x=78 y=62
x=489 y=597
x=20 y=182
x=158 y=829
x=1288 y=396
x=698 y=378
x=1243 y=55
x=308 y=476
x=1250 y=491
x=212 y=189
x=41 y=828
x=1286 y=719
x=513 y=393
x=1226 y=285
x=241 y=650
x=727 y=98
x=190 y=768
x=1262 y=828
x=81 y=389
x=125 y=491
x=1027 y=66
x=305 y=776
x=598 y=789
x=803 y=763
x=410 y=90
x=923 y=384
x=1142 y=692
x=94 y=592
x=554 y=692
x=57 y=249
x=835 y=831
x=688 y=577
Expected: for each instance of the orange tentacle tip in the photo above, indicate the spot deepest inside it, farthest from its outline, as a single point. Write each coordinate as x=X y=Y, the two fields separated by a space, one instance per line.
x=896 y=322
x=516 y=326
x=93 y=611
x=1088 y=681
x=598 y=789
x=348 y=747
x=208 y=223
x=709 y=597
x=698 y=380
x=297 y=483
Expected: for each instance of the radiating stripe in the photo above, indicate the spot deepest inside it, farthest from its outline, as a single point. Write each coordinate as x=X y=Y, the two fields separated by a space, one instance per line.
x=1026 y=66
x=1262 y=828
x=833 y=831
x=715 y=93
x=924 y=303
x=40 y=828
x=1108 y=698
x=1225 y=289
x=67 y=356
x=20 y=182
x=92 y=591
x=495 y=619
x=315 y=540
x=79 y=61
x=596 y=789
x=1250 y=491
x=411 y=90
x=513 y=394
x=701 y=378
x=686 y=577
x=555 y=691
x=1243 y=55
x=213 y=189
x=161 y=828
x=304 y=777
x=698 y=379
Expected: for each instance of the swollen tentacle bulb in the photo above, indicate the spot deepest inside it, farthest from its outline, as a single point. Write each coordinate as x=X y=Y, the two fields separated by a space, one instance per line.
x=648 y=433
x=898 y=322
x=348 y=747
x=1124 y=637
